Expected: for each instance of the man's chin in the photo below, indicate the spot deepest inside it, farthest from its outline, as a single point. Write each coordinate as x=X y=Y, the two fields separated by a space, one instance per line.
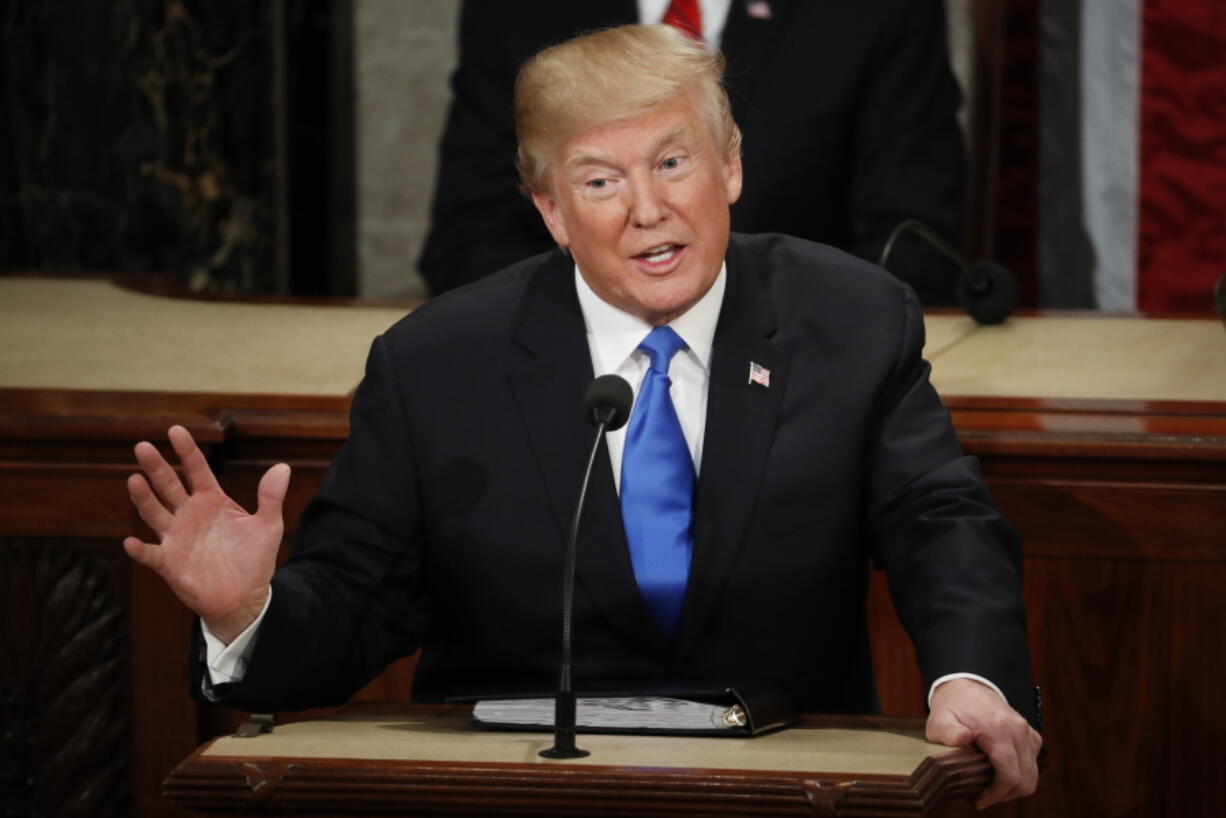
x=666 y=301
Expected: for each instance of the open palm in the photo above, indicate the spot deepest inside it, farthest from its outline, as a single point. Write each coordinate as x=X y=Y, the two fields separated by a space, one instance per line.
x=217 y=558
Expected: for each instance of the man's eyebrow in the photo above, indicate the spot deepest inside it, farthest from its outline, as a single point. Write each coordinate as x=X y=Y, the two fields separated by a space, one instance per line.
x=676 y=134
x=582 y=159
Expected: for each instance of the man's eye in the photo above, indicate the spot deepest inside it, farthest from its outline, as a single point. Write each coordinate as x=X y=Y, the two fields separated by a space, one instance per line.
x=597 y=184
x=671 y=163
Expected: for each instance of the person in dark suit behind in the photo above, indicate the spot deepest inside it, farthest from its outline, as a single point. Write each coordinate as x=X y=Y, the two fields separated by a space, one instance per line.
x=848 y=112
x=785 y=437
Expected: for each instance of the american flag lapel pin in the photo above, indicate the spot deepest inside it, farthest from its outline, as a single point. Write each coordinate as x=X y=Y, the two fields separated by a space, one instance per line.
x=758 y=9
x=759 y=374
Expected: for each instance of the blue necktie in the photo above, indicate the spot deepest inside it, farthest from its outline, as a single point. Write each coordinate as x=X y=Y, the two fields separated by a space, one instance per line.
x=657 y=488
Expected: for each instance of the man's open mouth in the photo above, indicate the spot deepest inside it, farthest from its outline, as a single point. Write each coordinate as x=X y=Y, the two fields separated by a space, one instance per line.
x=660 y=253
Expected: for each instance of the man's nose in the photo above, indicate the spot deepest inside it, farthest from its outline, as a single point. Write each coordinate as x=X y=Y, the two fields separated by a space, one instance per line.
x=647 y=203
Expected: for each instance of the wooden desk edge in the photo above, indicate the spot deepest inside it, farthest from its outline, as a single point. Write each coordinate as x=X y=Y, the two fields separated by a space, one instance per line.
x=229 y=783
x=1024 y=426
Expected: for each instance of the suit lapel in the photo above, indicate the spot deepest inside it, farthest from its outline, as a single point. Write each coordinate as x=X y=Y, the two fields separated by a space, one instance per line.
x=748 y=45
x=741 y=421
x=548 y=389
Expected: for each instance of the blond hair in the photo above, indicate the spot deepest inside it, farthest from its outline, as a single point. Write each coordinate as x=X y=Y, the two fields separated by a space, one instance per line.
x=609 y=75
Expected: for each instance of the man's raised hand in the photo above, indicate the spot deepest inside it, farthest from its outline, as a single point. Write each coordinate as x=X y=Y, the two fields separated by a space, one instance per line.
x=217 y=558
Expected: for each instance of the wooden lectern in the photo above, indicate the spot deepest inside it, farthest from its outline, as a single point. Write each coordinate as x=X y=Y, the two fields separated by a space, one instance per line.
x=430 y=759
x=1102 y=437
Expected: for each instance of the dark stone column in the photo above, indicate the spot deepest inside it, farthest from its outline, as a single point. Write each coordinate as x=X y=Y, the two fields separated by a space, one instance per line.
x=141 y=136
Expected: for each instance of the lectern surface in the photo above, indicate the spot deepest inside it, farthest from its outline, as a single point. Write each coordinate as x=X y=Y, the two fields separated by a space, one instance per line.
x=74 y=334
x=430 y=759
x=86 y=334
x=1080 y=357
x=451 y=736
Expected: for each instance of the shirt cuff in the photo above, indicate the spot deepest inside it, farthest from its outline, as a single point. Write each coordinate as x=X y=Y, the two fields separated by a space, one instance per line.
x=951 y=676
x=227 y=664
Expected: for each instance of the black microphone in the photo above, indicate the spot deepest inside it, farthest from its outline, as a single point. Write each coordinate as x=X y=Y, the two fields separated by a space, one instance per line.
x=985 y=289
x=606 y=405
x=607 y=400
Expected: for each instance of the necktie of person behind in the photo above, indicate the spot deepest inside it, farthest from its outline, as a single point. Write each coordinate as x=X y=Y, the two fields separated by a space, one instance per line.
x=657 y=488
x=686 y=16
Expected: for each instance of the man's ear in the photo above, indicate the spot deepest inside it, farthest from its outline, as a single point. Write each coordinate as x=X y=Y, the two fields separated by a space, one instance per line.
x=547 y=206
x=732 y=176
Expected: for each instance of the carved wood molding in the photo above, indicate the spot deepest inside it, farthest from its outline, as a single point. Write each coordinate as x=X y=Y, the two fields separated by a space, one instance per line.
x=64 y=715
x=346 y=786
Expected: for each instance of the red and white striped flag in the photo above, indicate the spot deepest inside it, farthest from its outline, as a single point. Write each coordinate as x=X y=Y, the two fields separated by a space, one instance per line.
x=759 y=374
x=1144 y=152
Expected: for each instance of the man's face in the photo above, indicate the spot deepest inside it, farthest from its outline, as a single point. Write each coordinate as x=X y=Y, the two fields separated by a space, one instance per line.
x=642 y=204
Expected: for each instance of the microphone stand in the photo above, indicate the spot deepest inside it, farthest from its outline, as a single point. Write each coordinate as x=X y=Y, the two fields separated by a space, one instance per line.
x=932 y=237
x=985 y=289
x=564 y=703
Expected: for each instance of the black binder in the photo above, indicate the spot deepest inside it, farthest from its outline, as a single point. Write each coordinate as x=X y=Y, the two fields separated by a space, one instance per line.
x=734 y=710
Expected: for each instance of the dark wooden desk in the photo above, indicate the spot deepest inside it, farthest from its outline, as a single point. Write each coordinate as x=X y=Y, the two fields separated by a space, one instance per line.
x=1121 y=502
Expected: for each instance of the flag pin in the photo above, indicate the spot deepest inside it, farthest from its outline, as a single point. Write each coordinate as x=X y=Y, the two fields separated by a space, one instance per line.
x=759 y=374
x=758 y=9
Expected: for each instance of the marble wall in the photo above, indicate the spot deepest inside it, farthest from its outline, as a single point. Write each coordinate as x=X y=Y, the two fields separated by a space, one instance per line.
x=961 y=46
x=404 y=52
x=136 y=138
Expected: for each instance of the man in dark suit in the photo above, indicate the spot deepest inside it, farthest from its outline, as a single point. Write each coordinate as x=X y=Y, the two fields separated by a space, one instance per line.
x=848 y=111
x=795 y=393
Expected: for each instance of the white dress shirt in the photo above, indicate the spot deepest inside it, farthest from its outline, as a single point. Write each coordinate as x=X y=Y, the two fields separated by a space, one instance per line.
x=613 y=338
x=714 y=17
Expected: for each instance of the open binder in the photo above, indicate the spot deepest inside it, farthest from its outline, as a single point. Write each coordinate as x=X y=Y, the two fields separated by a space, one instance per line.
x=740 y=710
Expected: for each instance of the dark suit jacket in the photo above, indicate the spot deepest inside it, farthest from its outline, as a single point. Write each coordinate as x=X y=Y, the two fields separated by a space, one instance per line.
x=848 y=112
x=442 y=522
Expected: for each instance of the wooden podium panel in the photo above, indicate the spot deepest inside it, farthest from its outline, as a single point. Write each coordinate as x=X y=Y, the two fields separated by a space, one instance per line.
x=1113 y=470
x=95 y=672
x=373 y=760
x=1103 y=438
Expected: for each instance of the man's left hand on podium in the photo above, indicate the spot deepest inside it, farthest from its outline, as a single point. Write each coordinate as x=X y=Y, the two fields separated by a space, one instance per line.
x=967 y=712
